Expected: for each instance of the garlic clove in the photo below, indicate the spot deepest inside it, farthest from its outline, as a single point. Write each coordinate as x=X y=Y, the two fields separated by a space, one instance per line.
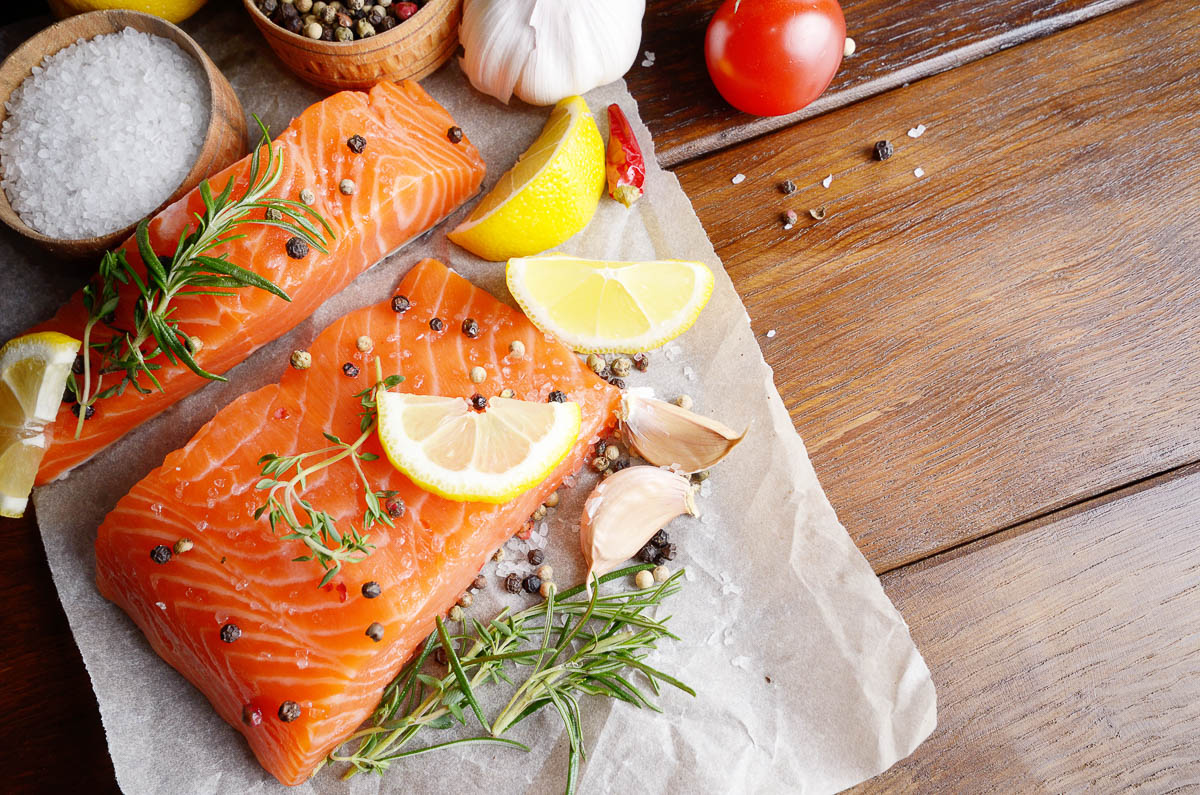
x=625 y=510
x=669 y=436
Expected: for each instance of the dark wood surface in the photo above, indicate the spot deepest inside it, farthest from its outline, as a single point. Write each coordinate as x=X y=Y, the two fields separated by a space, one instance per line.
x=898 y=42
x=1068 y=659
x=1015 y=331
x=1013 y=334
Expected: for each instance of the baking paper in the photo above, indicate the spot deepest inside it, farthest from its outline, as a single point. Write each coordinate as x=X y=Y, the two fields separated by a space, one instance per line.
x=806 y=677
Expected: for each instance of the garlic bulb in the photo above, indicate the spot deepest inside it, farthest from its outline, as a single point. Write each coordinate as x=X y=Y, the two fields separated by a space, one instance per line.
x=544 y=50
x=625 y=510
x=670 y=436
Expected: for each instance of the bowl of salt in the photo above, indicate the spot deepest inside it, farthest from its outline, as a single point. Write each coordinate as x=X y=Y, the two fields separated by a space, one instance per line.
x=106 y=118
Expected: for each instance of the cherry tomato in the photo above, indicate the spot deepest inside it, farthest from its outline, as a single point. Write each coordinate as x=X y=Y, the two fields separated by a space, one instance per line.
x=771 y=57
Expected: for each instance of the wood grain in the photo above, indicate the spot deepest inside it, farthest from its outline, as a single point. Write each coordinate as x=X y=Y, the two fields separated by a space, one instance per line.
x=897 y=44
x=1067 y=658
x=224 y=139
x=50 y=735
x=1017 y=330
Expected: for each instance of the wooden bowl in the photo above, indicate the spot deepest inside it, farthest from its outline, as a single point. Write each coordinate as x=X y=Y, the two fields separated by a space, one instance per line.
x=224 y=141
x=413 y=49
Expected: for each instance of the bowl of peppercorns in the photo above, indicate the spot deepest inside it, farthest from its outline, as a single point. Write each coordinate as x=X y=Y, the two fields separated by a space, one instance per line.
x=353 y=44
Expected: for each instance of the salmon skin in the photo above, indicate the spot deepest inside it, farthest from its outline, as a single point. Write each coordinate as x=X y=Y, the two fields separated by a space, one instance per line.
x=298 y=642
x=408 y=177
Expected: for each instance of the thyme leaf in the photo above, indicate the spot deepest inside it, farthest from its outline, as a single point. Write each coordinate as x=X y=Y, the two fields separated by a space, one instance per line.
x=285 y=478
x=571 y=648
x=192 y=269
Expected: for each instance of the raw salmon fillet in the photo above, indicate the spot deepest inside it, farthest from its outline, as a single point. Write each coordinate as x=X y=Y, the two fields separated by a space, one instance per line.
x=408 y=177
x=300 y=643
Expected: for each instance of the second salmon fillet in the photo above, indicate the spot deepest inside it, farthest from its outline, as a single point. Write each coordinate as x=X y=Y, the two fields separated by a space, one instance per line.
x=299 y=643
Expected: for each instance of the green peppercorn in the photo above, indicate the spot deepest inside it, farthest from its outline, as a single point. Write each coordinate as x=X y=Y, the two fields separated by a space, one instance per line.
x=364 y=29
x=274 y=214
x=341 y=33
x=621 y=366
x=301 y=360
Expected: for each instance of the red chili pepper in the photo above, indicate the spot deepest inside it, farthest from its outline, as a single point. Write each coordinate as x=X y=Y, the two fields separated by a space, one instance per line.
x=626 y=166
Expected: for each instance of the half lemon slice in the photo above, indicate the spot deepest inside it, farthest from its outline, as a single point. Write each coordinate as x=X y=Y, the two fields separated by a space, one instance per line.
x=550 y=194
x=610 y=307
x=33 y=374
x=447 y=448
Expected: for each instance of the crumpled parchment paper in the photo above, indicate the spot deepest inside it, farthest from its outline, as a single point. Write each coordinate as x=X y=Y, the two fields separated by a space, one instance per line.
x=806 y=677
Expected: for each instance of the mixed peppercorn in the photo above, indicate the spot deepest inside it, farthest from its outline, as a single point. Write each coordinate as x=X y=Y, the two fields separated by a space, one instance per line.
x=347 y=20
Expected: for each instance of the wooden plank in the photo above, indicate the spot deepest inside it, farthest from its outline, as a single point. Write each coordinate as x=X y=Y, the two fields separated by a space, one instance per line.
x=1067 y=658
x=897 y=43
x=50 y=736
x=1014 y=332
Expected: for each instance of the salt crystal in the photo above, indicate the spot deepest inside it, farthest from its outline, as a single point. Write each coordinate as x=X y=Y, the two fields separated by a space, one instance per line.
x=706 y=488
x=787 y=227
x=649 y=55
x=161 y=605
x=738 y=179
x=647 y=62
x=770 y=333
x=741 y=661
x=728 y=637
x=140 y=96
x=672 y=352
x=687 y=575
x=825 y=183
x=689 y=374
x=917 y=132
x=919 y=172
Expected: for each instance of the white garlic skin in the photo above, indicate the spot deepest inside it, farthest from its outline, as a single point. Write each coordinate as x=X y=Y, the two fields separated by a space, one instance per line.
x=545 y=50
x=625 y=510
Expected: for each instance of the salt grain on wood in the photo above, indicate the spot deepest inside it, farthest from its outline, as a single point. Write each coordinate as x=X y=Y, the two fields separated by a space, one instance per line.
x=738 y=179
x=101 y=133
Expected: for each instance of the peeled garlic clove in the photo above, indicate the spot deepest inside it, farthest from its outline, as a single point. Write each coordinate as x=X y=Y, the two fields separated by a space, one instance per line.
x=625 y=510
x=669 y=436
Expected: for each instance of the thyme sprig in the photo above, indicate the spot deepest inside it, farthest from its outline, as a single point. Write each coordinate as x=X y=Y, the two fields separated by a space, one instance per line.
x=192 y=270
x=571 y=647
x=318 y=530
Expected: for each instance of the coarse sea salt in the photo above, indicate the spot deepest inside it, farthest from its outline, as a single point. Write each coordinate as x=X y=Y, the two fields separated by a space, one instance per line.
x=101 y=133
x=738 y=179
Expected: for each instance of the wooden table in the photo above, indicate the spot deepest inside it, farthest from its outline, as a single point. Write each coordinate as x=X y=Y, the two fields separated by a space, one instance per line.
x=995 y=366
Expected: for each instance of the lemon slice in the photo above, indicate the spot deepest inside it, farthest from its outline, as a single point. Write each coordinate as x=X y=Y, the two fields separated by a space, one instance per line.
x=33 y=375
x=549 y=195
x=448 y=448
x=610 y=307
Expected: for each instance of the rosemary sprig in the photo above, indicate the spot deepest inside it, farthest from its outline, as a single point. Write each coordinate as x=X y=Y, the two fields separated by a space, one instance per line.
x=284 y=506
x=571 y=647
x=191 y=270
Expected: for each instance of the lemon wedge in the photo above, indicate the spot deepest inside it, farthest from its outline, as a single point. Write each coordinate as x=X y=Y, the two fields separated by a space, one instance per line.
x=170 y=10
x=550 y=194
x=610 y=307
x=448 y=448
x=33 y=375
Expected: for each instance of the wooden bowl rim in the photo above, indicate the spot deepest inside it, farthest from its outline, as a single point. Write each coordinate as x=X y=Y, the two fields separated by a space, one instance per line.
x=126 y=18
x=358 y=47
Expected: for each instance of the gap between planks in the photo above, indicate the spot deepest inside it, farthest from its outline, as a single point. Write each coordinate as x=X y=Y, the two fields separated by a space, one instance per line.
x=715 y=142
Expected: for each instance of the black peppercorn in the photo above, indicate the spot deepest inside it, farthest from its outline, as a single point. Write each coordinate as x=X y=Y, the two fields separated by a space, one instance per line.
x=230 y=633
x=294 y=24
x=251 y=716
x=289 y=711
x=478 y=402
x=470 y=327
x=160 y=554
x=400 y=304
x=349 y=369
x=512 y=583
x=480 y=582
x=665 y=553
x=601 y=447
x=648 y=553
x=87 y=415
x=77 y=366
x=287 y=11
x=356 y=142
x=371 y=589
x=395 y=508
x=455 y=134
x=326 y=33
x=375 y=631
x=532 y=583
x=388 y=23
x=268 y=6
x=640 y=362
x=536 y=556
x=883 y=150
x=437 y=324
x=376 y=16
x=660 y=538
x=297 y=248
x=556 y=396
x=788 y=187
x=619 y=383
x=68 y=395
